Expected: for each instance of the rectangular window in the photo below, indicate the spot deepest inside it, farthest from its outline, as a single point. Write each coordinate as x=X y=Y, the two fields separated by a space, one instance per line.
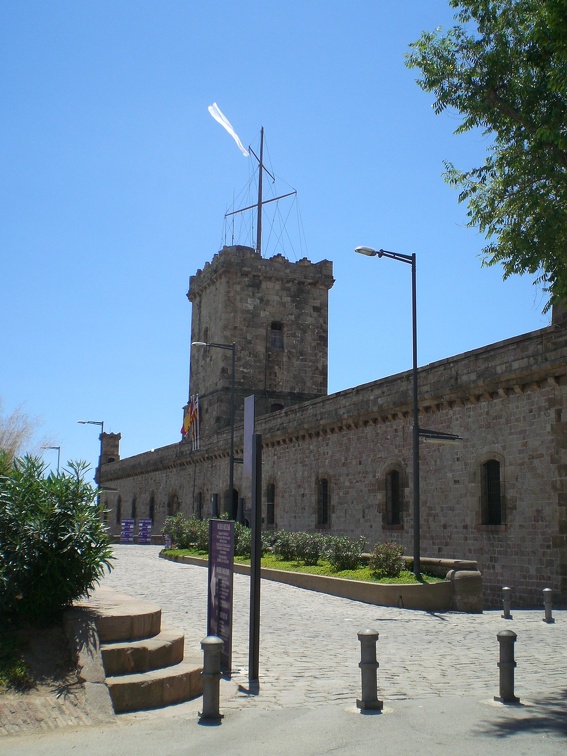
x=323 y=502
x=276 y=335
x=393 y=498
x=271 y=504
x=491 y=493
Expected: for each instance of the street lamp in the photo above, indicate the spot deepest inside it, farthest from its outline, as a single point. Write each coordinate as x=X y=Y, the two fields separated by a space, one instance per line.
x=231 y=348
x=58 y=454
x=410 y=260
x=101 y=423
x=417 y=432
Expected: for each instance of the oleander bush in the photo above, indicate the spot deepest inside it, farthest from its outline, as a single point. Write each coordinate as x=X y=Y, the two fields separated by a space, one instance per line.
x=344 y=553
x=53 y=546
x=387 y=560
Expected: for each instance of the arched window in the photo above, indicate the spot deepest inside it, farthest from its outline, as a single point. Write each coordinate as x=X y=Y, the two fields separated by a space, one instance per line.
x=271 y=504
x=323 y=503
x=276 y=335
x=393 y=498
x=491 y=493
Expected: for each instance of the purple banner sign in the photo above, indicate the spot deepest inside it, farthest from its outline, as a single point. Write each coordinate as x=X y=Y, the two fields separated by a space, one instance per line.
x=127 y=531
x=145 y=531
x=221 y=570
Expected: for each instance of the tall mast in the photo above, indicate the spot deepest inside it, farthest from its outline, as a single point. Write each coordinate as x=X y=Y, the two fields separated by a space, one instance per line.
x=260 y=177
x=261 y=201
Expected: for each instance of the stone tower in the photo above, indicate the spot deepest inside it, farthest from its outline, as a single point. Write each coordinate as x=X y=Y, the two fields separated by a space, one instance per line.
x=276 y=314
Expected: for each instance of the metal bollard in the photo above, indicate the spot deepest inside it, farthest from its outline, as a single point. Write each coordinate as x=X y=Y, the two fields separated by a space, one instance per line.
x=507 y=638
x=547 y=599
x=368 y=666
x=211 y=674
x=506 y=602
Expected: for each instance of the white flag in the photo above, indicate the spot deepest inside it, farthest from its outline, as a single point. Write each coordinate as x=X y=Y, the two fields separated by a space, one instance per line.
x=215 y=111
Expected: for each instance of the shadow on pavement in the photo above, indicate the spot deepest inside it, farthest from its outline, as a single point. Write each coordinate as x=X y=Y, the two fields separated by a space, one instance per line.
x=546 y=716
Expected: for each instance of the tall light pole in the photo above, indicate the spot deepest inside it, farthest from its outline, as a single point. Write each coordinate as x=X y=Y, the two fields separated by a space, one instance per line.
x=409 y=260
x=58 y=448
x=231 y=348
x=101 y=423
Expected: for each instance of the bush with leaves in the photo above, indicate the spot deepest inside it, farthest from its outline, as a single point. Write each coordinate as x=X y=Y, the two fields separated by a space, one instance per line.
x=53 y=546
x=344 y=553
x=283 y=545
x=187 y=532
x=309 y=547
x=387 y=560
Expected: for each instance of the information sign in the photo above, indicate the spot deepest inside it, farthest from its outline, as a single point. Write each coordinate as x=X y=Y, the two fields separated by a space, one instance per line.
x=145 y=531
x=127 y=531
x=221 y=570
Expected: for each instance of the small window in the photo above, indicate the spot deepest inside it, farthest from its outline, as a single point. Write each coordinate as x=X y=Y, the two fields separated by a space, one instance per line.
x=119 y=510
x=276 y=407
x=172 y=505
x=276 y=335
x=199 y=506
x=393 y=498
x=491 y=493
x=271 y=504
x=134 y=509
x=322 y=502
x=152 y=508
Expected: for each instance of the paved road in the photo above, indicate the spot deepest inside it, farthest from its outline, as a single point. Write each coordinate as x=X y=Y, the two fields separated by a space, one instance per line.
x=438 y=675
x=310 y=650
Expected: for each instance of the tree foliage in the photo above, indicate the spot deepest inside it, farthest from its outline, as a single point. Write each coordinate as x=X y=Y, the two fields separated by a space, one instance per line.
x=503 y=67
x=53 y=546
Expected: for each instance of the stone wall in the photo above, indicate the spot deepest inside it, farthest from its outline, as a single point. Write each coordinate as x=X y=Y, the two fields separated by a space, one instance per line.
x=507 y=401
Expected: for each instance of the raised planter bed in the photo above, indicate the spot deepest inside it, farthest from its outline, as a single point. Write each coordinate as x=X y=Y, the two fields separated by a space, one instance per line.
x=460 y=591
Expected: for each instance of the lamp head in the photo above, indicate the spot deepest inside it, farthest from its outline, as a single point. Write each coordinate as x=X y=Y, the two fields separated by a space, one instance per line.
x=368 y=251
x=199 y=343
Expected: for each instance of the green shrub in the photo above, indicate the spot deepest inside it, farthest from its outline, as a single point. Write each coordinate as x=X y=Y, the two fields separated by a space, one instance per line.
x=187 y=532
x=53 y=545
x=344 y=553
x=283 y=545
x=309 y=547
x=387 y=560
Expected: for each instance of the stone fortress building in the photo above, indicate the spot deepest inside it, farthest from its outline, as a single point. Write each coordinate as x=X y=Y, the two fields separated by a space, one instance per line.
x=342 y=463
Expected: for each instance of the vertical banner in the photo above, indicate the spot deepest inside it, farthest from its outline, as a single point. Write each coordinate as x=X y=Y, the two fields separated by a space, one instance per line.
x=221 y=570
x=127 y=531
x=145 y=531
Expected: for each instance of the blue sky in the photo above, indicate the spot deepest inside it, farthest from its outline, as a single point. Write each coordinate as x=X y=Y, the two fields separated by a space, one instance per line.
x=115 y=182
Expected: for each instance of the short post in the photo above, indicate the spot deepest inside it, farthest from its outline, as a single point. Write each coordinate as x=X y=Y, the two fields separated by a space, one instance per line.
x=211 y=674
x=368 y=666
x=507 y=638
x=506 y=602
x=547 y=601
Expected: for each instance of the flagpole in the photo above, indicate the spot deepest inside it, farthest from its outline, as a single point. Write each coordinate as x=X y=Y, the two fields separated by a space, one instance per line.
x=260 y=177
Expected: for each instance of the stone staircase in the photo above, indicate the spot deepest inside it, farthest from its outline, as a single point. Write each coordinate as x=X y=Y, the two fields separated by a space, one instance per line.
x=144 y=664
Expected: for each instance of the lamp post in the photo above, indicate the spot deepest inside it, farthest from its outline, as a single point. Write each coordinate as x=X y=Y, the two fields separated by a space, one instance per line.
x=409 y=260
x=101 y=423
x=58 y=448
x=231 y=348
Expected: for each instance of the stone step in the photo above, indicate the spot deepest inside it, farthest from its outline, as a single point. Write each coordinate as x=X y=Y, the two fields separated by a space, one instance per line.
x=128 y=657
x=120 y=617
x=156 y=688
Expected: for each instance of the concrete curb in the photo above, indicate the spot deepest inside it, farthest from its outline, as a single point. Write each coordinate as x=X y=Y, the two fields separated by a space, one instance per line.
x=432 y=597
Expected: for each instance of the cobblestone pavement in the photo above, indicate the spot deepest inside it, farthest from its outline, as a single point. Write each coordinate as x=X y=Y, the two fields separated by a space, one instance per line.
x=309 y=650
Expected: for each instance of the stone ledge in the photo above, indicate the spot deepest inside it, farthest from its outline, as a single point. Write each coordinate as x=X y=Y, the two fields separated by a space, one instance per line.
x=431 y=597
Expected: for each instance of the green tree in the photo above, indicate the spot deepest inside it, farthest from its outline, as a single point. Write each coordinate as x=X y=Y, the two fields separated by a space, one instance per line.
x=503 y=67
x=53 y=546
